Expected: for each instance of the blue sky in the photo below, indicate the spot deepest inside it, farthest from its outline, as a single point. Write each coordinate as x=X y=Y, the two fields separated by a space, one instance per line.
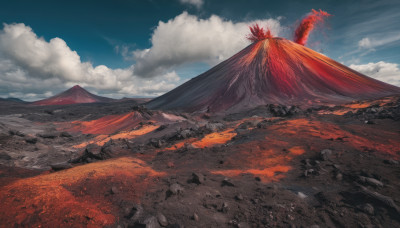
x=114 y=33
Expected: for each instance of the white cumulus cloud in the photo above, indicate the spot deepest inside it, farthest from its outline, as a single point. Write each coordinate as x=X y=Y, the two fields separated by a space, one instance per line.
x=383 y=71
x=364 y=43
x=187 y=38
x=380 y=40
x=32 y=68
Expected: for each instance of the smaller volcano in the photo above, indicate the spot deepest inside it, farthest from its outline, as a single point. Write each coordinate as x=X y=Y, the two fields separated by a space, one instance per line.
x=74 y=95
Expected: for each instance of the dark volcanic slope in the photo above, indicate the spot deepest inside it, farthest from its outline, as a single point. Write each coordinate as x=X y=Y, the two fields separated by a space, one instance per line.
x=74 y=95
x=273 y=70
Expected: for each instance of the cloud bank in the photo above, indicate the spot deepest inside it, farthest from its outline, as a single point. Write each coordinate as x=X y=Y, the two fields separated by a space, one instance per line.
x=187 y=38
x=379 y=41
x=383 y=71
x=31 y=68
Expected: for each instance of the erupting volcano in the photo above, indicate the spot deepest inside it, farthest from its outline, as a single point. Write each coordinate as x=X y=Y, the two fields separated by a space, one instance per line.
x=273 y=70
x=74 y=95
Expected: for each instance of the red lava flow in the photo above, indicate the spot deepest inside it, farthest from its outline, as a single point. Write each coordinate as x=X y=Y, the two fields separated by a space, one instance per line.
x=263 y=159
x=25 y=200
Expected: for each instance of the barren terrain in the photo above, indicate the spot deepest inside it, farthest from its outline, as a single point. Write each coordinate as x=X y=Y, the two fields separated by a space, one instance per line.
x=122 y=165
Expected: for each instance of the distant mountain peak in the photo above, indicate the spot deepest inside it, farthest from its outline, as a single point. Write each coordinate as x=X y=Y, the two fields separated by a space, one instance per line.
x=74 y=95
x=77 y=87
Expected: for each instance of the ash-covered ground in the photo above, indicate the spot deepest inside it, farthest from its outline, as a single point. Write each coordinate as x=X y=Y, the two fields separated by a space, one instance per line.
x=122 y=165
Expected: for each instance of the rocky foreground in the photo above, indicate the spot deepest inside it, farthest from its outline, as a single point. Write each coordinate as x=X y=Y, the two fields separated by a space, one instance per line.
x=272 y=166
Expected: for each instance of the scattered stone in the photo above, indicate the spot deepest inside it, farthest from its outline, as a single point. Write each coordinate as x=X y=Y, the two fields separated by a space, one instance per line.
x=301 y=195
x=370 y=181
x=386 y=200
x=197 y=178
x=175 y=189
x=48 y=135
x=255 y=201
x=150 y=222
x=391 y=162
x=227 y=182
x=60 y=166
x=162 y=127
x=195 y=217
x=31 y=140
x=309 y=172
x=107 y=149
x=308 y=162
x=134 y=213
x=93 y=152
x=213 y=127
x=50 y=112
x=15 y=132
x=369 y=122
x=339 y=176
x=264 y=124
x=114 y=190
x=157 y=143
x=4 y=156
x=239 y=197
x=325 y=154
x=367 y=208
x=162 y=219
x=225 y=207
x=65 y=134
x=186 y=133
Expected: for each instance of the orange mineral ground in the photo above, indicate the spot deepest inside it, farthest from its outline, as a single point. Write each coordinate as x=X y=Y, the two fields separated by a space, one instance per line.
x=75 y=197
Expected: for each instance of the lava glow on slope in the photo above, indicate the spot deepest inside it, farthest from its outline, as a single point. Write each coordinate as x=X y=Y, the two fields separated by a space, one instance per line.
x=209 y=140
x=263 y=159
x=106 y=125
x=382 y=142
x=101 y=139
x=74 y=197
x=114 y=123
x=216 y=138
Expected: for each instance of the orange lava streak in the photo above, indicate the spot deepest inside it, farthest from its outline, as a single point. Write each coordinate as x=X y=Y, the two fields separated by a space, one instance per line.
x=216 y=138
x=105 y=125
x=381 y=141
x=267 y=174
x=264 y=159
x=209 y=140
x=47 y=201
x=180 y=145
x=101 y=139
x=307 y=25
x=297 y=150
